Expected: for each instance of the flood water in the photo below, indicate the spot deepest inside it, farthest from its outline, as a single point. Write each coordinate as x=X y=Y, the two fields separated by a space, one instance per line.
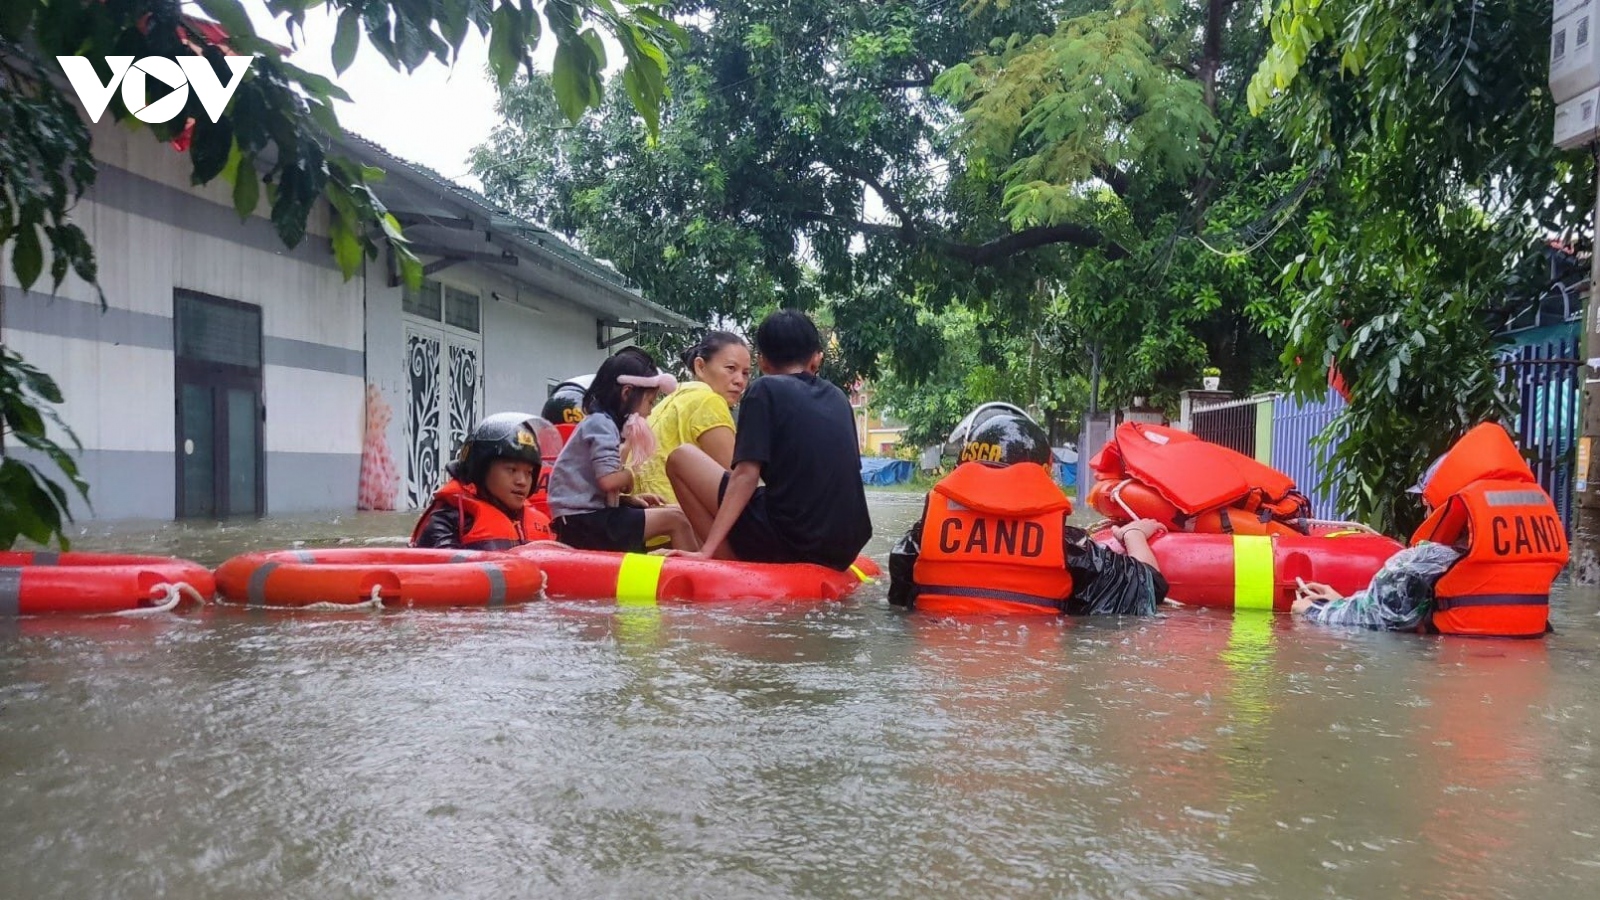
x=796 y=750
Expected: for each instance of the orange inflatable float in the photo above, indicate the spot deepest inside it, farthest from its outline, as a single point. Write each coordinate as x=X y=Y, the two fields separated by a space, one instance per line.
x=641 y=579
x=97 y=583
x=389 y=578
x=1248 y=571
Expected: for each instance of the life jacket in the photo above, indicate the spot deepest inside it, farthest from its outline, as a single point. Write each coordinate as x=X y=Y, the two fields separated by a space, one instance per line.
x=1486 y=499
x=1189 y=484
x=540 y=498
x=993 y=543
x=488 y=528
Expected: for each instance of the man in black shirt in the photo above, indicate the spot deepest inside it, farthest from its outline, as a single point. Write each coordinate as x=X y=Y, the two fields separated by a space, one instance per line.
x=798 y=435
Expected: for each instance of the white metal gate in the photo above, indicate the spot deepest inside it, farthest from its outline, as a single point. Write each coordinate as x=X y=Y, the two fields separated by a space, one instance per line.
x=444 y=384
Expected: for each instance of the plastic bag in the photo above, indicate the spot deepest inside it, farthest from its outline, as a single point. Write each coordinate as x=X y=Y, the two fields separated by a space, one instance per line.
x=1107 y=583
x=902 y=560
x=1400 y=595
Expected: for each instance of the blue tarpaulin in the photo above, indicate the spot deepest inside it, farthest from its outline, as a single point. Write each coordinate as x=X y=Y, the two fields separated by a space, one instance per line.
x=885 y=471
x=1066 y=473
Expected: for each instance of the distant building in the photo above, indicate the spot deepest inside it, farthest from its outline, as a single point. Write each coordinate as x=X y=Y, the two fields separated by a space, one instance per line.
x=875 y=433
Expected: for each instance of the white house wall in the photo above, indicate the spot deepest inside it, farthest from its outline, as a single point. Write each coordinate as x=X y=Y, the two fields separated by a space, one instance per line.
x=523 y=350
x=152 y=234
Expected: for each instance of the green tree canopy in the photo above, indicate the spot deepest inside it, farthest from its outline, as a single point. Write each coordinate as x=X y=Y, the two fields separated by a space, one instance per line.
x=1433 y=125
x=1051 y=168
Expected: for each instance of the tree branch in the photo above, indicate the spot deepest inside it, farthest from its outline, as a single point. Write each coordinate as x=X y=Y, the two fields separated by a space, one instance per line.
x=989 y=252
x=1115 y=178
x=889 y=199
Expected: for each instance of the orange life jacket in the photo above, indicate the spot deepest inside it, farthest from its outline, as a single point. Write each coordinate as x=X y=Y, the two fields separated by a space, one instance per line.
x=488 y=528
x=1190 y=484
x=993 y=543
x=1486 y=498
x=1129 y=499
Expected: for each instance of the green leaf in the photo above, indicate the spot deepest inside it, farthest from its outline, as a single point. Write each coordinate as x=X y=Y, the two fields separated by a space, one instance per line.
x=506 y=47
x=410 y=266
x=230 y=13
x=324 y=115
x=210 y=149
x=22 y=418
x=346 y=246
x=572 y=78
x=316 y=84
x=454 y=18
x=347 y=38
x=640 y=91
x=40 y=383
x=391 y=228
x=246 y=189
x=27 y=259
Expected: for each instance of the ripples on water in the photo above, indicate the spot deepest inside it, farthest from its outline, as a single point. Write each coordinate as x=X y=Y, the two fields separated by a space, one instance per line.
x=796 y=750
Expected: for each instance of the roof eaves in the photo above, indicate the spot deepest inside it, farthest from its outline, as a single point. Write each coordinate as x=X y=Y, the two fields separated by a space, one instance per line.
x=543 y=239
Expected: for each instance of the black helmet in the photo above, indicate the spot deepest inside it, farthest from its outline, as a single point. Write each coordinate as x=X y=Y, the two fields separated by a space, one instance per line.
x=565 y=406
x=508 y=435
x=1006 y=438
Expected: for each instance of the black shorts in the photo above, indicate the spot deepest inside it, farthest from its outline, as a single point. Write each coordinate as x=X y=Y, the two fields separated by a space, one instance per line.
x=752 y=538
x=616 y=528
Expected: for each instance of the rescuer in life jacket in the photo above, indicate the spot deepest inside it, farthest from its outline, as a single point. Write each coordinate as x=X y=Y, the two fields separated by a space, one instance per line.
x=994 y=539
x=486 y=503
x=1482 y=562
x=565 y=405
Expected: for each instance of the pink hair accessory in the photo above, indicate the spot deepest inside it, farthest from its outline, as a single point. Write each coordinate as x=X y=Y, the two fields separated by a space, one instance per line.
x=638 y=440
x=663 y=382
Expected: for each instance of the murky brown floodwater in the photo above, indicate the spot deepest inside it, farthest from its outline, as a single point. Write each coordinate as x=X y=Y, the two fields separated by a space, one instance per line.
x=572 y=750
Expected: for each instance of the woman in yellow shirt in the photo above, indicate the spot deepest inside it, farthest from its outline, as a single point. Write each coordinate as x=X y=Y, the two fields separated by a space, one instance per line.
x=699 y=412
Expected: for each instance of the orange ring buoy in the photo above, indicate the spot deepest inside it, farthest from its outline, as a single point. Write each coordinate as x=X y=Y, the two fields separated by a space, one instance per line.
x=79 y=583
x=399 y=577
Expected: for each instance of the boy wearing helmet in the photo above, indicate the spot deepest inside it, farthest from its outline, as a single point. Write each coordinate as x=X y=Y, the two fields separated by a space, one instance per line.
x=994 y=539
x=485 y=504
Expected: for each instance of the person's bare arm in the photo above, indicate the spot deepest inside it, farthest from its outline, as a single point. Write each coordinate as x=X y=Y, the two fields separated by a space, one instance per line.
x=618 y=482
x=1135 y=537
x=718 y=444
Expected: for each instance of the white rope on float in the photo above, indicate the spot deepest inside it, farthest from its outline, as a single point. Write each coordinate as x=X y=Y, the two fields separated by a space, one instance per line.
x=374 y=602
x=170 y=595
x=1116 y=494
x=1343 y=523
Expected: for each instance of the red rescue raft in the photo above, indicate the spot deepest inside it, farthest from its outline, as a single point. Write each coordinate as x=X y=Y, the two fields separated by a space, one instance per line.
x=642 y=579
x=78 y=583
x=391 y=578
x=1251 y=571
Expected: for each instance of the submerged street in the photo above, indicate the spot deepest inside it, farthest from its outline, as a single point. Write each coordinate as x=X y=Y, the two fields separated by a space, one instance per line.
x=796 y=750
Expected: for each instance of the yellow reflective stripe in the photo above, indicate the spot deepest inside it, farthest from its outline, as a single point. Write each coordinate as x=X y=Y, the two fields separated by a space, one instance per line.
x=1252 y=571
x=860 y=575
x=638 y=578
